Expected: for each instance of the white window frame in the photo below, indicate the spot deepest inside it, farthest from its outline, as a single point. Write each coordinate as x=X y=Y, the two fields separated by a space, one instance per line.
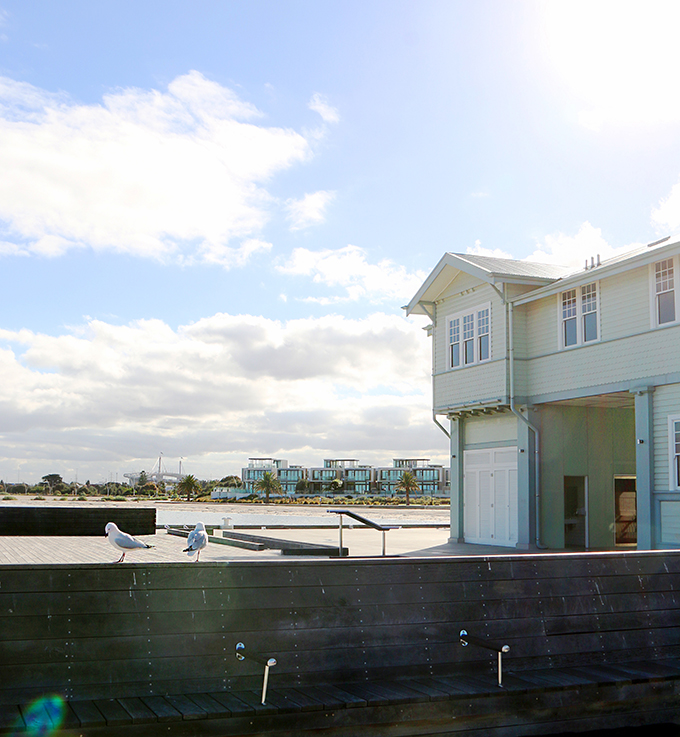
x=473 y=324
x=582 y=309
x=653 y=302
x=673 y=453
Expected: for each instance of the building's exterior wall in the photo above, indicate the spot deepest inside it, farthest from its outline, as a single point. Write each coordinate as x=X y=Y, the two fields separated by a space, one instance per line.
x=541 y=327
x=453 y=387
x=666 y=501
x=483 y=383
x=493 y=431
x=624 y=302
x=624 y=360
x=666 y=402
x=583 y=441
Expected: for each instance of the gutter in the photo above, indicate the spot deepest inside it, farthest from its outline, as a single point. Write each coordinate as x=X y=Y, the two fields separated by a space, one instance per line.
x=533 y=428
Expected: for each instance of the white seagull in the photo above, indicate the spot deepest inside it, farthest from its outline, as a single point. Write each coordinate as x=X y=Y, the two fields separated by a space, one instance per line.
x=197 y=540
x=122 y=540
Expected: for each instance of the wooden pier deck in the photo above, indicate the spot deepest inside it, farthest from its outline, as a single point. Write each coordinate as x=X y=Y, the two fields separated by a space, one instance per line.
x=167 y=548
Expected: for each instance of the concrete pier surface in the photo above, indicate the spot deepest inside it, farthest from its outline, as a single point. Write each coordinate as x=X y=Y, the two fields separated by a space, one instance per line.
x=422 y=531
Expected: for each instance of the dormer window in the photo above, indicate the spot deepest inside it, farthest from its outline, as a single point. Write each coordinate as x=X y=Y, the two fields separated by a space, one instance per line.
x=579 y=316
x=469 y=337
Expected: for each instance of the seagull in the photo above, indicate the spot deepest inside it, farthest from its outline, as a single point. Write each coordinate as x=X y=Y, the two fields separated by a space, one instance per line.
x=122 y=540
x=198 y=539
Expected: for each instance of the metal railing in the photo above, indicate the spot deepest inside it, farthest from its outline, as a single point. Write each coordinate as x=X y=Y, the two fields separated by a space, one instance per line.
x=466 y=640
x=242 y=654
x=363 y=520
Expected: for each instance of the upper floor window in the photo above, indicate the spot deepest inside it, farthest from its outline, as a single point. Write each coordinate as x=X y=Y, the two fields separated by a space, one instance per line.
x=579 y=315
x=674 y=451
x=664 y=291
x=469 y=337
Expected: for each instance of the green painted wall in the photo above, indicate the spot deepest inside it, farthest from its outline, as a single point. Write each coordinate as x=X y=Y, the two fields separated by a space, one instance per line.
x=584 y=441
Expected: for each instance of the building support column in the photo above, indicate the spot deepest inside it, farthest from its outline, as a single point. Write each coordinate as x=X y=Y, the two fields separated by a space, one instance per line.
x=457 y=442
x=526 y=512
x=644 y=467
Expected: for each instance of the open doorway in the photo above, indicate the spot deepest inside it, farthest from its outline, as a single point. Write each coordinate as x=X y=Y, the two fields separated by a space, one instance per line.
x=625 y=506
x=576 y=512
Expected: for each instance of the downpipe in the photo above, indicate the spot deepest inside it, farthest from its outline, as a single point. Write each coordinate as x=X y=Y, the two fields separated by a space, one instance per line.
x=533 y=428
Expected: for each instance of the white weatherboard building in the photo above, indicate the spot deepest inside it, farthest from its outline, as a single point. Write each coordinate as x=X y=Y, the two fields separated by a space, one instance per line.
x=560 y=392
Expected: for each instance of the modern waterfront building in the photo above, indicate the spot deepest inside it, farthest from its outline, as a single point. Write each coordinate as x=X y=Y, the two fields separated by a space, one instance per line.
x=354 y=477
x=288 y=476
x=431 y=478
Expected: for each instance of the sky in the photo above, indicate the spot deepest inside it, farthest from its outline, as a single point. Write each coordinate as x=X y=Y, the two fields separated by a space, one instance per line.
x=211 y=213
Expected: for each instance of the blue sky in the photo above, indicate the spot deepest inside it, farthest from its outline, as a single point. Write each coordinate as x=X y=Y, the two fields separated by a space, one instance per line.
x=212 y=212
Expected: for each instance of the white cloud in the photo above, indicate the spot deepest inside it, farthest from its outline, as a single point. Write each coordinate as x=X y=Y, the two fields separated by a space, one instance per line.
x=310 y=210
x=105 y=395
x=228 y=257
x=479 y=250
x=667 y=214
x=174 y=174
x=348 y=269
x=319 y=104
x=565 y=250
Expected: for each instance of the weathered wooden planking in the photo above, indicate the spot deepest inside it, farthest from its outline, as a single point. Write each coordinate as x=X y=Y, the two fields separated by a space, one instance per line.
x=138 y=711
x=75 y=521
x=479 y=581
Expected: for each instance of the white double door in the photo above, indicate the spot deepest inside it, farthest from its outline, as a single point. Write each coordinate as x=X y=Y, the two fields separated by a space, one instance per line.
x=490 y=496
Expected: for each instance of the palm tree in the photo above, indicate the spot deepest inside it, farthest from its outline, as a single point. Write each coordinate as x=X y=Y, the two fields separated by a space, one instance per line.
x=334 y=486
x=408 y=483
x=188 y=485
x=268 y=483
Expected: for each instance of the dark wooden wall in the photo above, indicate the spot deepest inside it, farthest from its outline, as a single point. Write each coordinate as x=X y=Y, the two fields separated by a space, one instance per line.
x=75 y=521
x=99 y=631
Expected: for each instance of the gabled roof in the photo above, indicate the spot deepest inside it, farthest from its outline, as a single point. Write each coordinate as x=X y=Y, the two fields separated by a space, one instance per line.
x=506 y=267
x=486 y=268
x=547 y=279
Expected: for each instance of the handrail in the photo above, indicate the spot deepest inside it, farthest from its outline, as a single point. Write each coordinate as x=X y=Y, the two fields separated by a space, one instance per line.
x=466 y=640
x=242 y=654
x=366 y=521
x=363 y=520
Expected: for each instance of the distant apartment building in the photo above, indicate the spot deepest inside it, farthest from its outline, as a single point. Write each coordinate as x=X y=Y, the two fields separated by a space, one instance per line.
x=287 y=476
x=290 y=476
x=431 y=478
x=354 y=477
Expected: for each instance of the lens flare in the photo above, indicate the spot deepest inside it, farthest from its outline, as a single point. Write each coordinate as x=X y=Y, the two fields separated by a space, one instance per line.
x=43 y=717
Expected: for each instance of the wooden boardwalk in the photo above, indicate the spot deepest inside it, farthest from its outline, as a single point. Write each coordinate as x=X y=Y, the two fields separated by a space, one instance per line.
x=168 y=548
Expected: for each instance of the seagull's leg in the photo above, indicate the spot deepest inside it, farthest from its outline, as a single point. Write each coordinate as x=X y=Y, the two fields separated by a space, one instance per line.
x=120 y=560
x=198 y=555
